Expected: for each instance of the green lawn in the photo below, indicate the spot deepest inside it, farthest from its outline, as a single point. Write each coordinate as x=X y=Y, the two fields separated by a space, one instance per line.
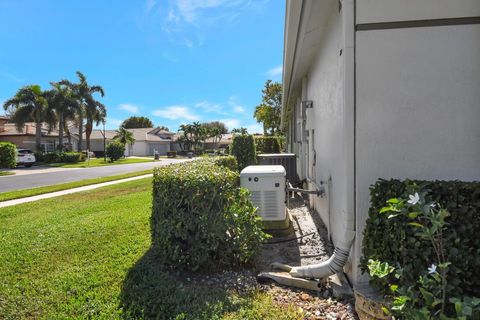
x=6 y=173
x=10 y=195
x=87 y=255
x=99 y=162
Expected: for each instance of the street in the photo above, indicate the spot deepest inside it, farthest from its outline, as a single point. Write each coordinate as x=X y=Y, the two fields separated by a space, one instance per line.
x=50 y=176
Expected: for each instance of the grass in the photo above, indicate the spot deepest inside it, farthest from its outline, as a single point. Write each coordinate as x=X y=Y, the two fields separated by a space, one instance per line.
x=99 y=162
x=6 y=173
x=88 y=255
x=17 y=194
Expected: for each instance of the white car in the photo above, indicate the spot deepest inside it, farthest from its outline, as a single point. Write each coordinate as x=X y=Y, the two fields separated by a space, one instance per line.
x=25 y=157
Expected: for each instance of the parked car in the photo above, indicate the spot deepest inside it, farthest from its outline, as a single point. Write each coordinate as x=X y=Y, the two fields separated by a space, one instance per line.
x=25 y=157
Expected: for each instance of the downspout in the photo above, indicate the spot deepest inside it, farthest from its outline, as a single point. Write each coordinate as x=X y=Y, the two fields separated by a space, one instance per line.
x=343 y=242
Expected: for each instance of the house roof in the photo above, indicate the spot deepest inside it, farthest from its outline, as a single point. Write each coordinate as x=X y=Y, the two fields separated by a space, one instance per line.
x=140 y=134
x=28 y=130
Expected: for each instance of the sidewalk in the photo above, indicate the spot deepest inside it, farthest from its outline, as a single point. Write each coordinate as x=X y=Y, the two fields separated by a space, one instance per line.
x=9 y=203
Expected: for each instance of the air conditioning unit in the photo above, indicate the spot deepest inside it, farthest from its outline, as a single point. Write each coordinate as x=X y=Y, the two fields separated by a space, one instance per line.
x=267 y=188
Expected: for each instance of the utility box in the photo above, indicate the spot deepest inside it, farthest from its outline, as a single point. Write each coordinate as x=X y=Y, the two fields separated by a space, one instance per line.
x=267 y=187
x=287 y=160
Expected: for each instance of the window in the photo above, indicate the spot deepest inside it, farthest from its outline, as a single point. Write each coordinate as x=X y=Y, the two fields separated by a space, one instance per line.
x=47 y=147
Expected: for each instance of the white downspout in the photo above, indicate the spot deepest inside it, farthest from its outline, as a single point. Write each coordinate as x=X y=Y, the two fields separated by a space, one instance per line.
x=344 y=241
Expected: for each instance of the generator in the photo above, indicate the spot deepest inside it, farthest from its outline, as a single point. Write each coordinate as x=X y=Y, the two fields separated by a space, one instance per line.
x=267 y=186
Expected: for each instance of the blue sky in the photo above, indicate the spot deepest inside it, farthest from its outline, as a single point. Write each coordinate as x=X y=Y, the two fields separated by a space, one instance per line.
x=173 y=61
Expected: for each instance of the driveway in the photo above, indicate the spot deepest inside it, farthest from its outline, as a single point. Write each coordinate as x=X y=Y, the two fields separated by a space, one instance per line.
x=39 y=177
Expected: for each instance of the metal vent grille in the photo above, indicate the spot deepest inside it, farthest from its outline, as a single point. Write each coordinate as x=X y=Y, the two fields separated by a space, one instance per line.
x=267 y=203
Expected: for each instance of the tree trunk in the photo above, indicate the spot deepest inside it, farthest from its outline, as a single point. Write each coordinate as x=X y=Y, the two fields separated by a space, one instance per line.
x=60 y=133
x=80 y=133
x=88 y=132
x=38 y=135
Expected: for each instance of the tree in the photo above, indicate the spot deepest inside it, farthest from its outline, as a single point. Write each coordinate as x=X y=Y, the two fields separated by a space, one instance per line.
x=86 y=106
x=240 y=130
x=29 y=104
x=269 y=111
x=138 y=122
x=115 y=150
x=62 y=101
x=124 y=136
x=215 y=130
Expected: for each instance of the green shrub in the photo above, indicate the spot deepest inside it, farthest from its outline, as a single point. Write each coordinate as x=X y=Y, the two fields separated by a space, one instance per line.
x=267 y=144
x=223 y=161
x=115 y=150
x=201 y=218
x=392 y=241
x=8 y=155
x=39 y=156
x=243 y=148
x=72 y=157
x=52 y=157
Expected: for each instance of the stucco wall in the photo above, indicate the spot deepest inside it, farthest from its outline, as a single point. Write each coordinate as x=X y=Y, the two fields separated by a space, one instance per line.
x=417 y=107
x=324 y=86
x=371 y=11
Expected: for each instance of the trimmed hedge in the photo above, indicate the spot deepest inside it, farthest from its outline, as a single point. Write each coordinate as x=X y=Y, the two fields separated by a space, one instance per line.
x=268 y=144
x=243 y=149
x=8 y=155
x=392 y=241
x=115 y=150
x=228 y=162
x=201 y=218
x=59 y=157
x=72 y=157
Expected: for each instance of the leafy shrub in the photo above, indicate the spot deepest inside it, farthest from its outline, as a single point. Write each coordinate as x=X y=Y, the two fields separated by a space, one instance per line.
x=228 y=162
x=243 y=148
x=8 y=155
x=201 y=218
x=52 y=157
x=39 y=156
x=115 y=150
x=267 y=144
x=393 y=242
x=72 y=157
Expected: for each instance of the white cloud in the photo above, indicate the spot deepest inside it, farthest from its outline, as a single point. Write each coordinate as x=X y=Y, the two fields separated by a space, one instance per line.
x=255 y=128
x=190 y=10
x=209 y=107
x=276 y=72
x=129 y=107
x=176 y=112
x=237 y=108
x=231 y=123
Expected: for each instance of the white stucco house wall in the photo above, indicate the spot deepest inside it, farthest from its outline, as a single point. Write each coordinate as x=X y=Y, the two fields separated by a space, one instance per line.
x=147 y=141
x=379 y=89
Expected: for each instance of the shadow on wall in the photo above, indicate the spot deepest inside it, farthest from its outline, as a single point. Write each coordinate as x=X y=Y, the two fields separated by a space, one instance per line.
x=149 y=291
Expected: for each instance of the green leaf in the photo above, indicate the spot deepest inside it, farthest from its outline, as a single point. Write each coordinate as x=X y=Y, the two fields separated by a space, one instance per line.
x=413 y=215
x=416 y=224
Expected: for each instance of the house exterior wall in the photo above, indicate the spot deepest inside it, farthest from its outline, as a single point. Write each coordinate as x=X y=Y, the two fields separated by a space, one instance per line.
x=28 y=142
x=417 y=107
x=373 y=11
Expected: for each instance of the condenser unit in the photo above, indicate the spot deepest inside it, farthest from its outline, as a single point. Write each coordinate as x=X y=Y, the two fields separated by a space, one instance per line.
x=267 y=188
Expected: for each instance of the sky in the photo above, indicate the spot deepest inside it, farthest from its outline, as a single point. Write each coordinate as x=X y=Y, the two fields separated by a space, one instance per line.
x=174 y=61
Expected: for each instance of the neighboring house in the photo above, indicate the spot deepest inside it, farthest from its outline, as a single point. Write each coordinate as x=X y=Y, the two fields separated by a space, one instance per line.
x=379 y=89
x=25 y=138
x=147 y=141
x=209 y=143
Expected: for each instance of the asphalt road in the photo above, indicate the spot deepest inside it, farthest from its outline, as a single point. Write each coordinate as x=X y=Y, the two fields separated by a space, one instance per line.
x=27 y=181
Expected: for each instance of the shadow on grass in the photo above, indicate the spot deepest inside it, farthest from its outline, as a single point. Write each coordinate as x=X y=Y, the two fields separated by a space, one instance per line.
x=151 y=292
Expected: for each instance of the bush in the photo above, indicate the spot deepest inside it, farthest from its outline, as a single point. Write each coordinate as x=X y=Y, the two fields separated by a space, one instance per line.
x=243 y=148
x=72 y=157
x=228 y=162
x=201 y=218
x=52 y=157
x=392 y=240
x=115 y=150
x=267 y=144
x=8 y=155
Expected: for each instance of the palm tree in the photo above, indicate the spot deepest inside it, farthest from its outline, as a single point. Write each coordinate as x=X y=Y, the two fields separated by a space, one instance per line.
x=29 y=104
x=87 y=106
x=61 y=99
x=124 y=136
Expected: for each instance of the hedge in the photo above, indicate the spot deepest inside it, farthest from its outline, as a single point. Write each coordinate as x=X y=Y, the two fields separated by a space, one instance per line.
x=392 y=241
x=267 y=144
x=228 y=162
x=58 y=157
x=201 y=218
x=243 y=149
x=8 y=155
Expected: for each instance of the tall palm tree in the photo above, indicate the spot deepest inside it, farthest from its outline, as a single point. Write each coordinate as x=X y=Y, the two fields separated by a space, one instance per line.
x=124 y=136
x=87 y=106
x=29 y=104
x=62 y=101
